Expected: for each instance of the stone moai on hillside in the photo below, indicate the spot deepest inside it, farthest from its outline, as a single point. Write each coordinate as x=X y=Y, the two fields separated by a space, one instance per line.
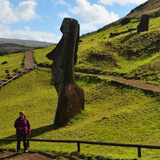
x=125 y=21
x=144 y=23
x=64 y=56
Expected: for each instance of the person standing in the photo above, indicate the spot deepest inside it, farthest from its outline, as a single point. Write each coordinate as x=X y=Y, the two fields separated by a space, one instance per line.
x=22 y=126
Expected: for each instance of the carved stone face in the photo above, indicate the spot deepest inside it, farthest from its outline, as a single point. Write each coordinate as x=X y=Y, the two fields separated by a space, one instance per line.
x=65 y=27
x=58 y=54
x=64 y=53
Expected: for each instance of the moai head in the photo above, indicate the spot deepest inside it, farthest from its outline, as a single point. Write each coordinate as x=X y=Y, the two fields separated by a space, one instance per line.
x=64 y=55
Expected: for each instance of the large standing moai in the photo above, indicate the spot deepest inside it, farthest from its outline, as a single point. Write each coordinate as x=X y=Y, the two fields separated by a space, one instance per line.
x=64 y=56
x=144 y=23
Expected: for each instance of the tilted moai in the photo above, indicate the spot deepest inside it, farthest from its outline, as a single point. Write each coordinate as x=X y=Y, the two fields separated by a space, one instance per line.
x=144 y=23
x=64 y=56
x=125 y=21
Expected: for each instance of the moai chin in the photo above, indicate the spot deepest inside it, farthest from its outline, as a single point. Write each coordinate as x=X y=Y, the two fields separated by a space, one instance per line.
x=64 y=56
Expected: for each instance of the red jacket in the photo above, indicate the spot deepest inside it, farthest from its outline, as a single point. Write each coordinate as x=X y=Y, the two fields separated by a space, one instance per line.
x=19 y=123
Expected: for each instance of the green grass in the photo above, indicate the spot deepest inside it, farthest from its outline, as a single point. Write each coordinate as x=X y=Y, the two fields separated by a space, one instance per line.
x=113 y=112
x=40 y=56
x=14 y=60
x=129 y=55
x=124 y=55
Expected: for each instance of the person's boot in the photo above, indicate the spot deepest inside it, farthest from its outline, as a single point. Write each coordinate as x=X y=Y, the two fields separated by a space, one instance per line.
x=25 y=151
x=18 y=152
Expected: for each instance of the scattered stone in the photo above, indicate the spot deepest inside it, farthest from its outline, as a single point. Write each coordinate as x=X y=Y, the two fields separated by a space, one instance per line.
x=5 y=62
x=15 y=70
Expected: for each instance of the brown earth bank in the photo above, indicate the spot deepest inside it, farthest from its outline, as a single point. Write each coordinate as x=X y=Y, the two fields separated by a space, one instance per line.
x=11 y=155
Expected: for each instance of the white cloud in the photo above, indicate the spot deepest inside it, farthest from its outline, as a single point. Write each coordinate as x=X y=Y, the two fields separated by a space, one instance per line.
x=60 y=2
x=87 y=27
x=7 y=32
x=27 y=28
x=95 y=14
x=25 y=11
x=63 y=15
x=7 y=13
x=122 y=2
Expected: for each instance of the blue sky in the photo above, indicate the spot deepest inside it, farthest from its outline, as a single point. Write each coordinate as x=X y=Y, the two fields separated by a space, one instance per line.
x=41 y=19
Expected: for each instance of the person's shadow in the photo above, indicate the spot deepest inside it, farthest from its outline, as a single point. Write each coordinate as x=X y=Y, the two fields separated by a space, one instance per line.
x=34 y=133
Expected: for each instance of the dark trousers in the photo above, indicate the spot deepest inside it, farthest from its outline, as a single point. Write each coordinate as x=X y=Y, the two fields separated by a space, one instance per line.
x=19 y=137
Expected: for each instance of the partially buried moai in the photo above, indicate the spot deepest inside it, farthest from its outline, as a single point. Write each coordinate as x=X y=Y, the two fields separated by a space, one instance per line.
x=64 y=56
x=144 y=24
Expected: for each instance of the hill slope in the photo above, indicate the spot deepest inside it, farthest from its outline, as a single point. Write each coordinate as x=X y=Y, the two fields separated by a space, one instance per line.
x=129 y=54
x=17 y=45
x=113 y=112
x=151 y=7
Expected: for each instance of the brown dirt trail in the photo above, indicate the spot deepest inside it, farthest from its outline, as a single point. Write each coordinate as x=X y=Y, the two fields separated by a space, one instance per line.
x=11 y=155
x=30 y=62
x=29 y=59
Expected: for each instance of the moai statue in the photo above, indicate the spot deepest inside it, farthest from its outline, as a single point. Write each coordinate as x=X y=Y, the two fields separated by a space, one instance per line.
x=64 y=56
x=125 y=21
x=144 y=23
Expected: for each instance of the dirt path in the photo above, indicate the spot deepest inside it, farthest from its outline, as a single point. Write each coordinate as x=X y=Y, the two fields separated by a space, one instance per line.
x=29 y=59
x=29 y=156
x=11 y=155
x=30 y=62
x=127 y=81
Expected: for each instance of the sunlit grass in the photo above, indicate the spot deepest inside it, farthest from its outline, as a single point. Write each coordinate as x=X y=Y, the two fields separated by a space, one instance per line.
x=40 y=56
x=14 y=61
x=113 y=112
x=123 y=55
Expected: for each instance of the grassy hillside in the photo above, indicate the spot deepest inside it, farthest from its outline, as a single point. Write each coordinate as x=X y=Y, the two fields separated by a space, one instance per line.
x=16 y=45
x=123 y=55
x=113 y=113
x=14 y=61
x=151 y=7
x=130 y=55
x=40 y=56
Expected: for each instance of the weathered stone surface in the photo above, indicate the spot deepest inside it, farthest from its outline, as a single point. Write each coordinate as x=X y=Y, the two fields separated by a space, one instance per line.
x=125 y=21
x=64 y=56
x=144 y=23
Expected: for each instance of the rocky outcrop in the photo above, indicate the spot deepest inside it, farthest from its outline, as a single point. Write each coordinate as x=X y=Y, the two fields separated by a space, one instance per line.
x=64 y=56
x=144 y=23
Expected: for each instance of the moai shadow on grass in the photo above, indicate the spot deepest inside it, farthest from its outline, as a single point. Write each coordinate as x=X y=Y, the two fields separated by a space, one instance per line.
x=64 y=56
